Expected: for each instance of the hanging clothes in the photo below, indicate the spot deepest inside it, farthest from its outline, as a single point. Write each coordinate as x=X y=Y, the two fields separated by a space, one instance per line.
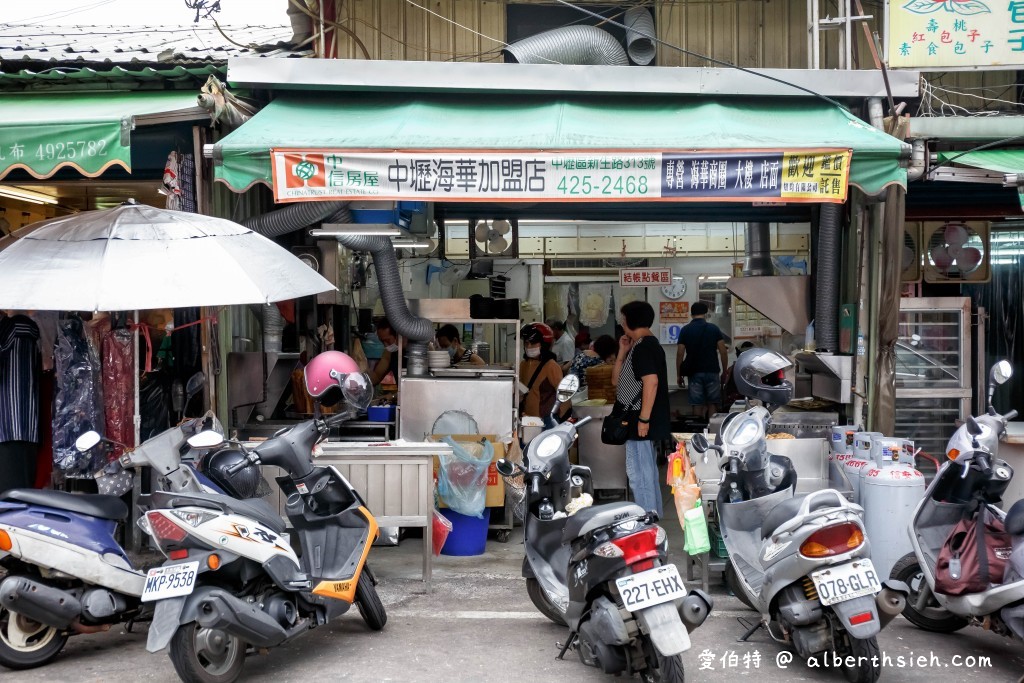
x=119 y=388
x=20 y=370
x=78 y=404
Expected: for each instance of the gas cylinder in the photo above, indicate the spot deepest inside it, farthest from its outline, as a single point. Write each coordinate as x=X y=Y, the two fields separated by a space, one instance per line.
x=885 y=452
x=889 y=496
x=858 y=460
x=839 y=449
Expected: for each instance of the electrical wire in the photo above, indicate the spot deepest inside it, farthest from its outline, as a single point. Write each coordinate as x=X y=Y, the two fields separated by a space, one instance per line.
x=60 y=14
x=704 y=57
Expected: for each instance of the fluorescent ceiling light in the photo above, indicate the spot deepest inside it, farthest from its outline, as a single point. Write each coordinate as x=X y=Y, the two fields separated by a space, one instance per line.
x=27 y=195
x=346 y=229
x=411 y=244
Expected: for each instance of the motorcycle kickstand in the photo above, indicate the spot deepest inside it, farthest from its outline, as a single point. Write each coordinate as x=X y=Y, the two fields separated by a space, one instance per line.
x=750 y=630
x=568 y=644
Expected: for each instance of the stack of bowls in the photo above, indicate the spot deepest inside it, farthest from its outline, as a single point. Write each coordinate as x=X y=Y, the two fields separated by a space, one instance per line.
x=437 y=360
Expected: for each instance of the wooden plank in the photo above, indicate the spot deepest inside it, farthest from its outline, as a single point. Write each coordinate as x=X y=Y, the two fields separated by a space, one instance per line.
x=416 y=38
x=493 y=24
x=724 y=27
x=376 y=491
x=390 y=18
x=466 y=44
x=668 y=21
x=411 y=503
x=357 y=476
x=796 y=34
x=698 y=35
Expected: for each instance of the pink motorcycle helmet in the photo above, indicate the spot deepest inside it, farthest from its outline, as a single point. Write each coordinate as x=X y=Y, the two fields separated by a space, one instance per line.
x=333 y=375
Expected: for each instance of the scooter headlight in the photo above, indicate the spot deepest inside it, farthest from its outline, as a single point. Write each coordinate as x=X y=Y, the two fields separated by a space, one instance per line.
x=548 y=446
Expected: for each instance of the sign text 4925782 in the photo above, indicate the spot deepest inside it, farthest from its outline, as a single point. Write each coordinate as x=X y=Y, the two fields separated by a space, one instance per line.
x=510 y=176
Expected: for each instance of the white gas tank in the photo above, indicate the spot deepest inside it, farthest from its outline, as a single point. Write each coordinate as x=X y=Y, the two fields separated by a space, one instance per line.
x=839 y=449
x=859 y=460
x=889 y=496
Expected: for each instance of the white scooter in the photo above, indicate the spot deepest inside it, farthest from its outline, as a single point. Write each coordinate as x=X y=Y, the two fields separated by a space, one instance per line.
x=974 y=478
x=803 y=562
x=65 y=572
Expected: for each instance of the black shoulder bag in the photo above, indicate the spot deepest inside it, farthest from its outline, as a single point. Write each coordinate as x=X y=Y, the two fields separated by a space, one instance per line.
x=620 y=425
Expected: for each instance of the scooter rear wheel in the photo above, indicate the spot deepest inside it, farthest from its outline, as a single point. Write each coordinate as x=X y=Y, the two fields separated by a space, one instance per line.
x=866 y=659
x=371 y=609
x=670 y=669
x=25 y=644
x=933 y=617
x=203 y=655
x=540 y=601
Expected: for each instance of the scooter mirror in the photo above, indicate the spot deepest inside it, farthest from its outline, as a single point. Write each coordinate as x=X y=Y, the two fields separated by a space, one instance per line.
x=206 y=439
x=699 y=443
x=1001 y=372
x=505 y=468
x=86 y=442
x=568 y=387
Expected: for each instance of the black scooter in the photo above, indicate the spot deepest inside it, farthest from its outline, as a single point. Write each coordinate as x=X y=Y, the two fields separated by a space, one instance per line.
x=602 y=571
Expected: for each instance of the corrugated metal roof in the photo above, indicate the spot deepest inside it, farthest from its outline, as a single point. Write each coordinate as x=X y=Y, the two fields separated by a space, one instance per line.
x=67 y=75
x=150 y=44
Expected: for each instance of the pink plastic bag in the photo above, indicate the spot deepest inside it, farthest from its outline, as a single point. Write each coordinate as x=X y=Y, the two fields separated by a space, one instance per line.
x=442 y=527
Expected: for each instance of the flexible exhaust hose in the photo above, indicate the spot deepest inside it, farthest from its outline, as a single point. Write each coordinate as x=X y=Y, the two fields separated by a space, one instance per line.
x=641 y=25
x=292 y=218
x=569 y=45
x=826 y=303
x=757 y=250
x=272 y=323
x=386 y=263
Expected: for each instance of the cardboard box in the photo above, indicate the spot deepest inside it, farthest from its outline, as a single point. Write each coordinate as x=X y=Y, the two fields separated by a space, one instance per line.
x=495 y=484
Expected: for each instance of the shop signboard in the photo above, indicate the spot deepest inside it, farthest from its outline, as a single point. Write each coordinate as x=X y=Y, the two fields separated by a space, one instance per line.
x=673 y=311
x=798 y=175
x=644 y=277
x=939 y=35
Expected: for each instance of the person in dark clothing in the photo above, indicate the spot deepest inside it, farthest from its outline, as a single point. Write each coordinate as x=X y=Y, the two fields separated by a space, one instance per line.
x=449 y=339
x=641 y=384
x=20 y=370
x=701 y=345
x=388 y=363
x=732 y=393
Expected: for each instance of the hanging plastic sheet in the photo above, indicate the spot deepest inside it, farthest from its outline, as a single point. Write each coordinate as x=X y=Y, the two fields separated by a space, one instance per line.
x=556 y=301
x=119 y=389
x=624 y=295
x=595 y=301
x=78 y=404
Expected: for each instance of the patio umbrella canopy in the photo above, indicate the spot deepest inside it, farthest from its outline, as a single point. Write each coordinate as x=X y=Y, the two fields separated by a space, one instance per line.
x=139 y=257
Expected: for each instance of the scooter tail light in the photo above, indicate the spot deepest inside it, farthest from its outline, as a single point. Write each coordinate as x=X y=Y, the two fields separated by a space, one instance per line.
x=608 y=550
x=642 y=545
x=661 y=537
x=835 y=539
x=163 y=529
x=862 y=618
x=5 y=541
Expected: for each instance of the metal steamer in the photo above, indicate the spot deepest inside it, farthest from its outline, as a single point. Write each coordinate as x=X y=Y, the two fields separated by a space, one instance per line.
x=601 y=570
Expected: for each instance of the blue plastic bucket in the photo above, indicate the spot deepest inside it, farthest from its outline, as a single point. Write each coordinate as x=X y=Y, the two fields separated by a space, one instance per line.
x=468 y=535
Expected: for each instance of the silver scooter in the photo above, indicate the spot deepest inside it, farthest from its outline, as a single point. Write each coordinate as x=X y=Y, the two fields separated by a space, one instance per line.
x=974 y=477
x=803 y=562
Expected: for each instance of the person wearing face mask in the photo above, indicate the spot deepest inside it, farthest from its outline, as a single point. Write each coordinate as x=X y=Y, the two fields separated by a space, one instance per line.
x=448 y=338
x=539 y=373
x=388 y=362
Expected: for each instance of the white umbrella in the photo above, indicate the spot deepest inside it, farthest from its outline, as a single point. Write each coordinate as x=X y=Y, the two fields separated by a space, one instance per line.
x=139 y=257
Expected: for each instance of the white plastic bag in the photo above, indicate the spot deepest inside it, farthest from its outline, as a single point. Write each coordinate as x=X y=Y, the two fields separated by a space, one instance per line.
x=462 y=480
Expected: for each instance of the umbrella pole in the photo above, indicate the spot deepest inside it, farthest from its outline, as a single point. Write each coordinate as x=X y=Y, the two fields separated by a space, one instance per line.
x=134 y=537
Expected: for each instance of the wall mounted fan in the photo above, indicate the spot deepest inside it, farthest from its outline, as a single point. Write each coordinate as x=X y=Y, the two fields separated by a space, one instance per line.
x=956 y=252
x=496 y=238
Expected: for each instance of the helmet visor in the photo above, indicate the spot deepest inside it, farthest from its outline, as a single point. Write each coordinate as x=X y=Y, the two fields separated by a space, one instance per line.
x=356 y=387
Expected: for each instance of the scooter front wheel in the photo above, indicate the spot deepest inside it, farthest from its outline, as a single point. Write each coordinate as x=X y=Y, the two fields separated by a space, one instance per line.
x=26 y=644
x=371 y=609
x=732 y=582
x=206 y=655
x=540 y=601
x=929 y=616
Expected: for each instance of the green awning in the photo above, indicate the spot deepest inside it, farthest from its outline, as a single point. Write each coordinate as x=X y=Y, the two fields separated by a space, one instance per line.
x=89 y=132
x=403 y=122
x=998 y=160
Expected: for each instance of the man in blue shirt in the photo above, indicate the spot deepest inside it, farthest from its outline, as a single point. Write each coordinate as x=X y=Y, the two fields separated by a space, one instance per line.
x=701 y=345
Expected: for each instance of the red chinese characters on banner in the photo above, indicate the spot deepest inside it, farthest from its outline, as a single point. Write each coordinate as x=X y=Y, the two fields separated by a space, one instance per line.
x=645 y=277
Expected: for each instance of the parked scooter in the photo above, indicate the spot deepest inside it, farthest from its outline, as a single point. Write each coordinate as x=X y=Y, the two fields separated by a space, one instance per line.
x=66 y=573
x=603 y=570
x=232 y=578
x=802 y=562
x=975 y=477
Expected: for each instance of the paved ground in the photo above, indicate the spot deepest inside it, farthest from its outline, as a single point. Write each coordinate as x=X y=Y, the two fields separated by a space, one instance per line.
x=478 y=625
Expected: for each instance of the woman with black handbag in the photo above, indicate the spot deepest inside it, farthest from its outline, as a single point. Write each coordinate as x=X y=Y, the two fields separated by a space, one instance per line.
x=641 y=392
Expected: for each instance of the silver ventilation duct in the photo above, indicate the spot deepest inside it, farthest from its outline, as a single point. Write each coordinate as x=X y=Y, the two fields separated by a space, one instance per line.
x=569 y=45
x=640 y=35
x=757 y=250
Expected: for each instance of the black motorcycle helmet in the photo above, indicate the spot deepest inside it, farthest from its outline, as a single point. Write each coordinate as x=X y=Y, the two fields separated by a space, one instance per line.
x=244 y=483
x=761 y=374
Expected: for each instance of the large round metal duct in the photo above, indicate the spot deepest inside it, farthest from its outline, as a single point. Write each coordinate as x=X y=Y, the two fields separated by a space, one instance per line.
x=568 y=45
x=640 y=35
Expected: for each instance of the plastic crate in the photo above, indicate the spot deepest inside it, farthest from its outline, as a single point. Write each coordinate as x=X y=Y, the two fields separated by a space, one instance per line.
x=718 y=543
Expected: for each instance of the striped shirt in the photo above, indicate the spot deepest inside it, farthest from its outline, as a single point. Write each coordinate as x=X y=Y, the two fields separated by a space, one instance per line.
x=20 y=367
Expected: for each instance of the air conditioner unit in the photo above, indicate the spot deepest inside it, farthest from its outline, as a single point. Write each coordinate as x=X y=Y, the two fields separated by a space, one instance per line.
x=957 y=252
x=911 y=255
x=591 y=266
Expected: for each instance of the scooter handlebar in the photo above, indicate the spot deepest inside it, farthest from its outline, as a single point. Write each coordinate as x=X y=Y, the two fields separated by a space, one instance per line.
x=250 y=459
x=1010 y=416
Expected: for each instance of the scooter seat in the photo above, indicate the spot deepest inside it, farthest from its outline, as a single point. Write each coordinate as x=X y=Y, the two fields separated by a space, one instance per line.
x=94 y=505
x=597 y=516
x=787 y=509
